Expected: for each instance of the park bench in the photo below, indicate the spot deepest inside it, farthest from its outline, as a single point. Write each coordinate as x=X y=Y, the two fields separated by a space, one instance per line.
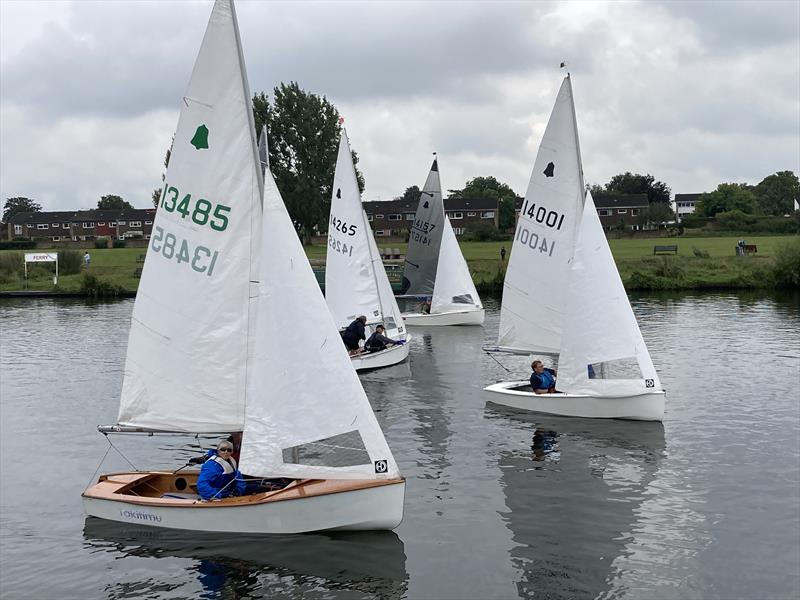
x=665 y=249
x=138 y=272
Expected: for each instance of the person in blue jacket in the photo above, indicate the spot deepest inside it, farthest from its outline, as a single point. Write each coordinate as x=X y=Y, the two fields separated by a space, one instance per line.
x=543 y=380
x=219 y=476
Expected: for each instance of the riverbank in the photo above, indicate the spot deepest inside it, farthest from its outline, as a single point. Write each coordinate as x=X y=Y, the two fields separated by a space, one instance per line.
x=700 y=263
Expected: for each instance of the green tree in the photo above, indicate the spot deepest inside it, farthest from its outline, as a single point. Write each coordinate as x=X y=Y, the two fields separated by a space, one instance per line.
x=727 y=197
x=630 y=183
x=112 y=201
x=19 y=204
x=156 y=195
x=777 y=192
x=411 y=194
x=489 y=187
x=303 y=143
x=656 y=213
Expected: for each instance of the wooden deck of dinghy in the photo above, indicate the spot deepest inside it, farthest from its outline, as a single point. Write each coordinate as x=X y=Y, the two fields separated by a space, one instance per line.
x=147 y=489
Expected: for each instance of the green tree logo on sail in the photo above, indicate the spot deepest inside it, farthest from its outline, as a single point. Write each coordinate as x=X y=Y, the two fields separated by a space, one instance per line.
x=200 y=139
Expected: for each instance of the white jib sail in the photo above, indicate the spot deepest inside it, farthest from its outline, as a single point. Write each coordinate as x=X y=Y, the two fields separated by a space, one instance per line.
x=185 y=366
x=307 y=414
x=600 y=328
x=392 y=319
x=532 y=312
x=352 y=269
x=454 y=289
x=425 y=238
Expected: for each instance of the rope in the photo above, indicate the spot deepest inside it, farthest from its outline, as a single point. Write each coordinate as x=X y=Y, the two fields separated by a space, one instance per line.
x=497 y=361
x=134 y=467
x=94 y=475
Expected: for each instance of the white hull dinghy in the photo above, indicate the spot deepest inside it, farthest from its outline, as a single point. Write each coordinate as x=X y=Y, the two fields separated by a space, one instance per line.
x=435 y=267
x=563 y=298
x=355 y=279
x=226 y=280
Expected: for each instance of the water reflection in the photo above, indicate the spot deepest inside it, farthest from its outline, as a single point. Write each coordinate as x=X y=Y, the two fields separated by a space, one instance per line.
x=574 y=498
x=372 y=564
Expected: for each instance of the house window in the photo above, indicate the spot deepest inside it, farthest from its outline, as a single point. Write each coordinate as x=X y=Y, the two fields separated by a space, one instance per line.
x=112 y=224
x=65 y=226
x=634 y=211
x=409 y=216
x=488 y=214
x=379 y=232
x=378 y=216
x=42 y=226
x=603 y=212
x=458 y=230
x=88 y=225
x=455 y=215
x=101 y=223
x=135 y=224
x=147 y=237
x=56 y=238
x=395 y=217
x=148 y=223
x=472 y=214
x=120 y=222
x=622 y=211
x=369 y=217
x=17 y=229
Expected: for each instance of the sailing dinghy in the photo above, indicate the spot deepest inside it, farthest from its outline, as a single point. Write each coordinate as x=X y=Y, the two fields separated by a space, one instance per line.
x=563 y=297
x=434 y=266
x=355 y=279
x=230 y=332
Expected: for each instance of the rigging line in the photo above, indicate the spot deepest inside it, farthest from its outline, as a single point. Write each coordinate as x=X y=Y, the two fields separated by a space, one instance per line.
x=497 y=361
x=135 y=468
x=100 y=464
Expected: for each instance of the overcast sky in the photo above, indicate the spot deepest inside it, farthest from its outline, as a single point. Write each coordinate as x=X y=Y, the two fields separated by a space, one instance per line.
x=694 y=93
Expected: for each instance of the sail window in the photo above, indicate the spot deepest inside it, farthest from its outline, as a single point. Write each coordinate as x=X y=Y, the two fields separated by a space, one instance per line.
x=621 y=368
x=343 y=450
x=463 y=299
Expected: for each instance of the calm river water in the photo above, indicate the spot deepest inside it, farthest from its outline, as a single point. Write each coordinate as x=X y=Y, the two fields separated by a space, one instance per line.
x=498 y=505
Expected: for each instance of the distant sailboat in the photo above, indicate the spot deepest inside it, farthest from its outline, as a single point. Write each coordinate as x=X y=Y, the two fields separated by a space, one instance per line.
x=435 y=267
x=228 y=327
x=563 y=296
x=355 y=279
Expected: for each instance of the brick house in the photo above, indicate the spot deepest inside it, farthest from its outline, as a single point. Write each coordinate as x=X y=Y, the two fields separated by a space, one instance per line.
x=394 y=217
x=612 y=209
x=59 y=226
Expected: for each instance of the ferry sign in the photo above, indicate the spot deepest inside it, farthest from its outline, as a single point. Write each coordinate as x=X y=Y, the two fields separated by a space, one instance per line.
x=41 y=257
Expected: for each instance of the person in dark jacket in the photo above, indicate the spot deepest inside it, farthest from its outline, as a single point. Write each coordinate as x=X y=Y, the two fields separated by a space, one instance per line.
x=219 y=476
x=353 y=334
x=543 y=380
x=378 y=341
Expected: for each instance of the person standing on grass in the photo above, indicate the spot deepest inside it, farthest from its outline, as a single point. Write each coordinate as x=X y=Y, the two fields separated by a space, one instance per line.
x=87 y=259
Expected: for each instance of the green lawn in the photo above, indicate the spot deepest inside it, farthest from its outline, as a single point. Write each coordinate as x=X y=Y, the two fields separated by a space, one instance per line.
x=722 y=268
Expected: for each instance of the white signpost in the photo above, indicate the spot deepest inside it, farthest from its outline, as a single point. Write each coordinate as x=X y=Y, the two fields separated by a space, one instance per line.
x=37 y=257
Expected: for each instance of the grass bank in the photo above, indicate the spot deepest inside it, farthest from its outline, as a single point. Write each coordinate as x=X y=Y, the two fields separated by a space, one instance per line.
x=701 y=263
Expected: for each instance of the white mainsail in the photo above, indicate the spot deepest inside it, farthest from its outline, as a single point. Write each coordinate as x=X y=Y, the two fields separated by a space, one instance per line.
x=353 y=268
x=532 y=316
x=425 y=238
x=600 y=328
x=307 y=414
x=185 y=369
x=454 y=288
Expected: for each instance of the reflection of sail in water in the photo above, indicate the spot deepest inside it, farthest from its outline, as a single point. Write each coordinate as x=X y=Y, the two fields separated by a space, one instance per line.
x=573 y=499
x=370 y=564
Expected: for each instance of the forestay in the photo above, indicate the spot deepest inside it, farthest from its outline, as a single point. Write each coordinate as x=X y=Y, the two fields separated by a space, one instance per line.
x=353 y=268
x=600 y=328
x=534 y=291
x=185 y=366
x=425 y=238
x=307 y=414
x=454 y=288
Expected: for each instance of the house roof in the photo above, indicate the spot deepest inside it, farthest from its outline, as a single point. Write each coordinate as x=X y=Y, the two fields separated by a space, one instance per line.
x=687 y=197
x=621 y=201
x=116 y=214
x=450 y=204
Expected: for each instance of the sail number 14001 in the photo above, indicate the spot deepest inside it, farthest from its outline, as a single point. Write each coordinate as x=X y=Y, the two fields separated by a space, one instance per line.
x=199 y=258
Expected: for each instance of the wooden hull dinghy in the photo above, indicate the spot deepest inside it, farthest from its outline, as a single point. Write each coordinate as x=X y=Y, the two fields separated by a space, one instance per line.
x=169 y=500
